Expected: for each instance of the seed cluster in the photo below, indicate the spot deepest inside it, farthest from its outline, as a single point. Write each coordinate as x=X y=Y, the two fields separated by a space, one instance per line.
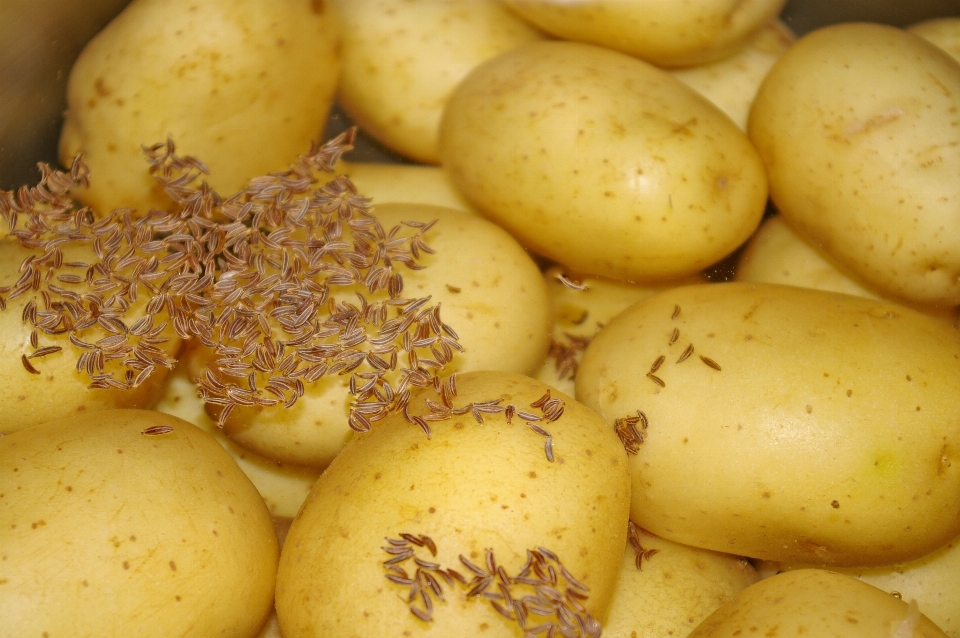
x=567 y=353
x=630 y=435
x=550 y=408
x=253 y=276
x=633 y=535
x=544 y=598
x=687 y=352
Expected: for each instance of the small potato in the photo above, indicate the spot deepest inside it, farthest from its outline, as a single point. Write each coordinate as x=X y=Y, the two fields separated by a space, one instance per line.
x=663 y=32
x=777 y=255
x=602 y=162
x=818 y=603
x=785 y=423
x=943 y=32
x=489 y=290
x=931 y=581
x=404 y=184
x=858 y=127
x=732 y=82
x=402 y=58
x=130 y=523
x=282 y=486
x=244 y=85
x=483 y=494
x=581 y=307
x=672 y=589
x=56 y=389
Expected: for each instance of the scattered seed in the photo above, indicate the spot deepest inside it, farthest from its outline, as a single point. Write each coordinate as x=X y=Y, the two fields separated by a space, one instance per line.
x=710 y=362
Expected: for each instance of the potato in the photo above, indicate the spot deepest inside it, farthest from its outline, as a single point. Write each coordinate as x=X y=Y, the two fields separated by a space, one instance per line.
x=602 y=162
x=57 y=389
x=245 y=85
x=858 y=127
x=663 y=32
x=469 y=487
x=129 y=522
x=404 y=183
x=931 y=581
x=578 y=314
x=673 y=589
x=820 y=603
x=402 y=58
x=732 y=82
x=489 y=290
x=777 y=255
x=943 y=32
x=785 y=423
x=282 y=486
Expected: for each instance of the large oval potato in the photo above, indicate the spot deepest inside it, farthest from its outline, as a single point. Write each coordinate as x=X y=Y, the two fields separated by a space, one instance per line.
x=130 y=522
x=663 y=32
x=402 y=59
x=244 y=85
x=357 y=547
x=785 y=423
x=602 y=162
x=818 y=603
x=859 y=127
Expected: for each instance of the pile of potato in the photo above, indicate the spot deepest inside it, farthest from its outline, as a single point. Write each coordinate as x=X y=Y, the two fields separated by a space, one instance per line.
x=628 y=445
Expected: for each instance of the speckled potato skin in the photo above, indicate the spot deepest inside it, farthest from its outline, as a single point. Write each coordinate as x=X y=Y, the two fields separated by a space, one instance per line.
x=602 y=162
x=776 y=254
x=675 y=589
x=829 y=435
x=469 y=487
x=943 y=32
x=732 y=82
x=665 y=32
x=859 y=127
x=106 y=531
x=402 y=59
x=59 y=390
x=490 y=291
x=244 y=85
x=816 y=603
x=931 y=581
x=404 y=183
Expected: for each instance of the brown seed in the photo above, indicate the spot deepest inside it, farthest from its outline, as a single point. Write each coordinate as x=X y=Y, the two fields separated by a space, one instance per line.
x=656 y=380
x=27 y=365
x=686 y=354
x=710 y=362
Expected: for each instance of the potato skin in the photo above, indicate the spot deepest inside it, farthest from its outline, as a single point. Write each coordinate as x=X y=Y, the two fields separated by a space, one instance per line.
x=859 y=128
x=59 y=390
x=469 y=487
x=602 y=162
x=817 y=603
x=830 y=434
x=663 y=32
x=244 y=85
x=107 y=531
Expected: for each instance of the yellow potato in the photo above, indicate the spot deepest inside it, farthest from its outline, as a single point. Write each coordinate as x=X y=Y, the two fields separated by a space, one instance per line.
x=245 y=86
x=664 y=32
x=130 y=522
x=673 y=590
x=732 y=82
x=785 y=423
x=602 y=162
x=777 y=255
x=57 y=390
x=402 y=58
x=468 y=487
x=404 y=183
x=580 y=309
x=943 y=32
x=857 y=125
x=931 y=581
x=489 y=290
x=282 y=486
x=818 y=603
